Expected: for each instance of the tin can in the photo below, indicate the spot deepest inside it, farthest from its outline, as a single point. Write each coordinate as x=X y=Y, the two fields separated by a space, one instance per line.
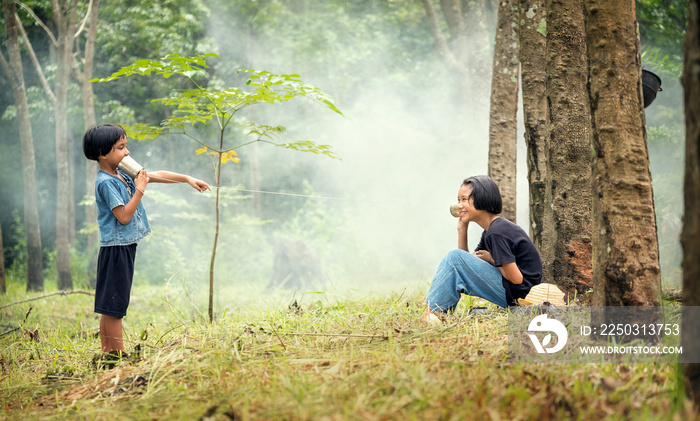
x=130 y=166
x=454 y=210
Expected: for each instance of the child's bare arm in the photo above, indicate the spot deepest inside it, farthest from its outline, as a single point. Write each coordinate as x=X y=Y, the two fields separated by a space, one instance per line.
x=173 y=177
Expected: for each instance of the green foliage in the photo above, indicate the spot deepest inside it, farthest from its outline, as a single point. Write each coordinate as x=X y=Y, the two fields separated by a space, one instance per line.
x=130 y=31
x=169 y=66
x=667 y=64
x=16 y=255
x=308 y=146
x=662 y=24
x=202 y=105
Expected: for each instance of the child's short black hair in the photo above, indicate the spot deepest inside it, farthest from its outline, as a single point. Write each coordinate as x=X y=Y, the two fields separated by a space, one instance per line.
x=99 y=140
x=487 y=196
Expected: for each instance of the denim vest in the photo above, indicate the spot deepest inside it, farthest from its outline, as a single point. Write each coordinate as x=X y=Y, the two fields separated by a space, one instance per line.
x=111 y=192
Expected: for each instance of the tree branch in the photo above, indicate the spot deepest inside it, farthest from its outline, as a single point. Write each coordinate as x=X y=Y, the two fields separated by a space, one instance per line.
x=452 y=11
x=440 y=41
x=39 y=21
x=345 y=335
x=89 y=54
x=6 y=67
x=84 y=22
x=48 y=295
x=35 y=61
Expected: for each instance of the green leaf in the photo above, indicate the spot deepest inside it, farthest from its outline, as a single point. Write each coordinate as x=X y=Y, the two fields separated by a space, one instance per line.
x=542 y=28
x=309 y=146
x=142 y=131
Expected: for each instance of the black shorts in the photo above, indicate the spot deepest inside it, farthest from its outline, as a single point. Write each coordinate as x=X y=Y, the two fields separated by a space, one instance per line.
x=115 y=271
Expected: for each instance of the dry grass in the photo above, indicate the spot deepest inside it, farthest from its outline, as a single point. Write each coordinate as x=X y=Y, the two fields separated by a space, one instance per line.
x=352 y=359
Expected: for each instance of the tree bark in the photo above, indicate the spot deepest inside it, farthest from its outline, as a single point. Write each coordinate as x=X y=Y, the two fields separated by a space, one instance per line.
x=89 y=120
x=504 y=106
x=625 y=247
x=532 y=62
x=15 y=74
x=690 y=235
x=65 y=17
x=568 y=220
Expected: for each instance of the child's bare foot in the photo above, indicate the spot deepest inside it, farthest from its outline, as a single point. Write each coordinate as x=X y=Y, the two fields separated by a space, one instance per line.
x=109 y=360
x=430 y=317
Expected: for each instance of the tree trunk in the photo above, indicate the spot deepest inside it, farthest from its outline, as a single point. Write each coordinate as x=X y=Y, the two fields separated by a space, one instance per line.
x=15 y=74
x=690 y=235
x=64 y=16
x=3 y=288
x=568 y=210
x=504 y=106
x=72 y=152
x=532 y=62
x=625 y=247
x=89 y=120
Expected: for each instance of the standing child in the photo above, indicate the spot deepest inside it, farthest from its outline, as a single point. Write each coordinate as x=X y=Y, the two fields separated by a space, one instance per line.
x=123 y=222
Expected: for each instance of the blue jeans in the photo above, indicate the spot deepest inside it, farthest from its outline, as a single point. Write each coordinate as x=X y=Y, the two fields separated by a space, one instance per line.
x=460 y=272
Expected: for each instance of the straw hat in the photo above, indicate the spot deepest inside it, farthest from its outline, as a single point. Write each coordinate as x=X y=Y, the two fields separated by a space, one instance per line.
x=543 y=293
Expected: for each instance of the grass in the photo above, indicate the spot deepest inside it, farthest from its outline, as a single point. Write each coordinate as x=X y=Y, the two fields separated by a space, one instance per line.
x=352 y=358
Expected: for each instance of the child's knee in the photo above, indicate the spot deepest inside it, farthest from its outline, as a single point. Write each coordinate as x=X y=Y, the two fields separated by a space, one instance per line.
x=456 y=254
x=459 y=256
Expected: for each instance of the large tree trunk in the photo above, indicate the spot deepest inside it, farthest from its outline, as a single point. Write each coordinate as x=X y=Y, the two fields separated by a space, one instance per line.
x=568 y=192
x=625 y=246
x=64 y=16
x=690 y=236
x=504 y=106
x=89 y=120
x=532 y=62
x=15 y=74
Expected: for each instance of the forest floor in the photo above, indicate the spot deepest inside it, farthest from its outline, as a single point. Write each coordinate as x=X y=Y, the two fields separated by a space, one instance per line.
x=367 y=358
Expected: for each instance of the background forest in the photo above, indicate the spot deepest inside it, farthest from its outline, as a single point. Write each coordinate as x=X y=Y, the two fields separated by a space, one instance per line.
x=375 y=219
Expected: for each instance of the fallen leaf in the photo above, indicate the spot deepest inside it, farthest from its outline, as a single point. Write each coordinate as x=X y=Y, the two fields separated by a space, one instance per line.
x=33 y=334
x=335 y=370
x=610 y=383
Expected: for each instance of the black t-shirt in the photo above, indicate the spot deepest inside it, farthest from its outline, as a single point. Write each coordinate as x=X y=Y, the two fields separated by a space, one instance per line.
x=508 y=243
